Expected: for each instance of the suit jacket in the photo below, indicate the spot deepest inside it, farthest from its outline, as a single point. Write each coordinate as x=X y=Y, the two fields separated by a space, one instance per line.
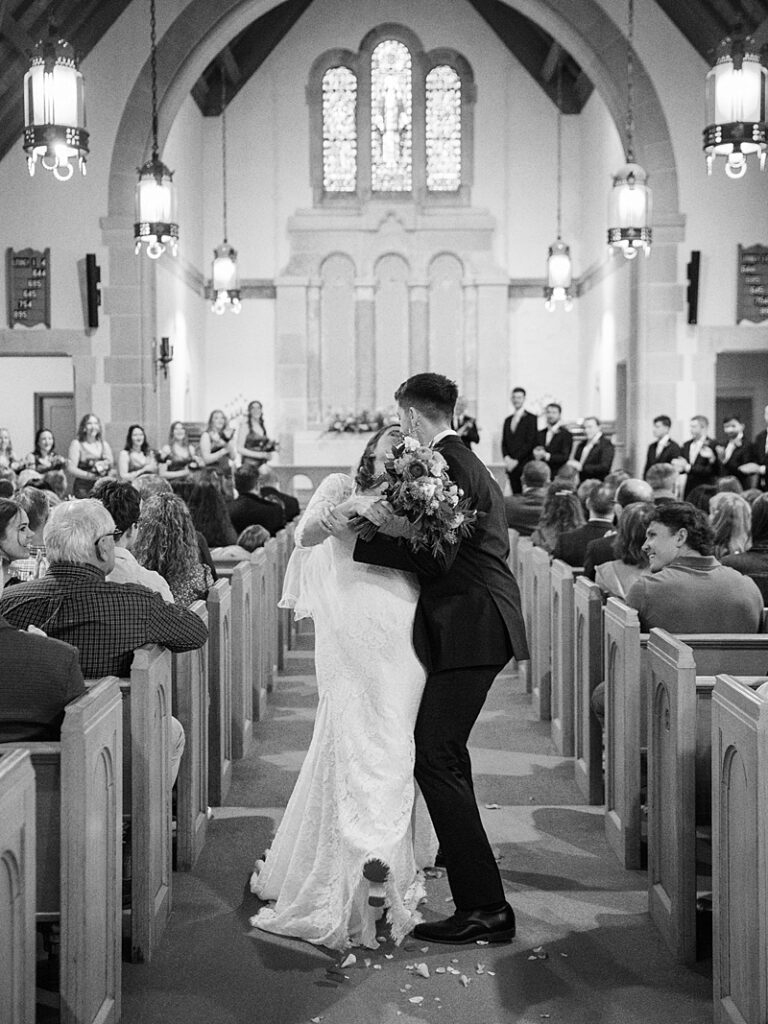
x=289 y=503
x=251 y=510
x=599 y=460
x=572 y=546
x=598 y=552
x=760 y=456
x=559 y=448
x=38 y=678
x=469 y=611
x=741 y=454
x=519 y=444
x=671 y=450
x=702 y=471
x=523 y=510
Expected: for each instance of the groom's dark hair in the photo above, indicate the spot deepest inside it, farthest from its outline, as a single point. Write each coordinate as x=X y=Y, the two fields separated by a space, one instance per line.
x=430 y=393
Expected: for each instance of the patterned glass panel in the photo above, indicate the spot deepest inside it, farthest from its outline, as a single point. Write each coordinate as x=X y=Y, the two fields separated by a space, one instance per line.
x=443 y=130
x=339 y=130
x=391 y=123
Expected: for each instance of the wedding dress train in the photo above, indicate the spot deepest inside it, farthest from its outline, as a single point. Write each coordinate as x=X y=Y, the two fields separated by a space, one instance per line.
x=355 y=799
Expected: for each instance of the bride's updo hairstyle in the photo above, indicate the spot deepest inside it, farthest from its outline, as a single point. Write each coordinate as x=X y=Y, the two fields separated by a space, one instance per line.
x=366 y=470
x=431 y=393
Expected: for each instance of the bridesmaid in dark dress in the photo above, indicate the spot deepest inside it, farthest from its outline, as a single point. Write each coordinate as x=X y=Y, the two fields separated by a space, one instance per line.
x=217 y=451
x=90 y=457
x=178 y=459
x=43 y=457
x=253 y=443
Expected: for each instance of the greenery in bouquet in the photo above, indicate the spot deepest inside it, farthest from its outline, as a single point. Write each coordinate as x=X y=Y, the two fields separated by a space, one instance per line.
x=419 y=489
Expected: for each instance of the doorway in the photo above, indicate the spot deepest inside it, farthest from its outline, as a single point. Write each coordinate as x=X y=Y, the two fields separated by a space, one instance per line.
x=56 y=412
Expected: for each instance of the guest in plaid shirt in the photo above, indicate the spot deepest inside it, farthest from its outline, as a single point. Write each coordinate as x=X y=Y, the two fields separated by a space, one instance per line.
x=105 y=621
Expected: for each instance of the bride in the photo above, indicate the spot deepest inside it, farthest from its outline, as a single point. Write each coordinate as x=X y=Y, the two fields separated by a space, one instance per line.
x=354 y=836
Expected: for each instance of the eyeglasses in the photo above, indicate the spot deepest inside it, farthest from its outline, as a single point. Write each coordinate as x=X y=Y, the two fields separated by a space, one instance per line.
x=115 y=535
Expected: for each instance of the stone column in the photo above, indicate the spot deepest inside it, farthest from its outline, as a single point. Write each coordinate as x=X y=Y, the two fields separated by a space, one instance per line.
x=469 y=370
x=365 y=346
x=314 y=397
x=291 y=370
x=418 y=295
x=492 y=363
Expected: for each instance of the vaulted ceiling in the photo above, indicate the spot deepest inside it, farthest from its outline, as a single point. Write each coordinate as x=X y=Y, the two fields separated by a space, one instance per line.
x=83 y=22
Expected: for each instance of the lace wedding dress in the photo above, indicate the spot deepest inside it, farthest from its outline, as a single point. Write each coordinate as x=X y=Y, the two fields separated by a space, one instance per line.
x=355 y=798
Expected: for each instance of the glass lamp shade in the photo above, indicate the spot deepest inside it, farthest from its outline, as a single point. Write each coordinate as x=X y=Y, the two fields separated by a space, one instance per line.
x=54 y=110
x=559 y=277
x=629 y=212
x=736 y=93
x=225 y=283
x=155 y=202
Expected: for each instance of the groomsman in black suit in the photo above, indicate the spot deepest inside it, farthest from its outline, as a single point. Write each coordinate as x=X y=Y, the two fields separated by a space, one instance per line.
x=699 y=458
x=554 y=442
x=594 y=456
x=736 y=453
x=760 y=455
x=468 y=625
x=663 y=448
x=518 y=439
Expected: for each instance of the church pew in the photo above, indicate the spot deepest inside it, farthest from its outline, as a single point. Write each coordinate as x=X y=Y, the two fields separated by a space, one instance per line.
x=242 y=658
x=587 y=673
x=679 y=779
x=273 y=596
x=282 y=615
x=190 y=705
x=626 y=715
x=514 y=540
x=290 y=625
x=219 y=692
x=539 y=636
x=261 y=661
x=562 y=637
x=17 y=887
x=524 y=582
x=147 y=707
x=739 y=854
x=76 y=854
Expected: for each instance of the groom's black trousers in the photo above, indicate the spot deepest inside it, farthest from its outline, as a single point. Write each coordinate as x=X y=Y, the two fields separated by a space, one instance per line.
x=450 y=705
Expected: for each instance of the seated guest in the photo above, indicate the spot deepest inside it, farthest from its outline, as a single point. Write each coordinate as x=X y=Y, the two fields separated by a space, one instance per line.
x=149 y=486
x=585 y=488
x=754 y=562
x=571 y=547
x=688 y=590
x=7 y=483
x=700 y=496
x=663 y=477
x=166 y=542
x=615 y=577
x=106 y=622
x=601 y=550
x=14 y=537
x=250 y=508
x=751 y=495
x=211 y=515
x=567 y=478
x=38 y=678
x=268 y=489
x=729 y=483
x=56 y=480
x=35 y=504
x=252 y=538
x=523 y=510
x=562 y=513
x=731 y=519
x=123 y=503
x=594 y=455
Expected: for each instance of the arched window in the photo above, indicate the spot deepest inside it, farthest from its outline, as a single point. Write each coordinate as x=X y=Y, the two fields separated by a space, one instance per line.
x=391 y=120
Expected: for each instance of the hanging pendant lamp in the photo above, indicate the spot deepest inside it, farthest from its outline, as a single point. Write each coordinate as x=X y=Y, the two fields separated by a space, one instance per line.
x=155 y=195
x=559 y=269
x=54 y=109
x=225 y=283
x=630 y=201
x=736 y=104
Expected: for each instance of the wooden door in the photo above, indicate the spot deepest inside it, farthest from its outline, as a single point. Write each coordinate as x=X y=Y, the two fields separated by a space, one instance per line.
x=56 y=411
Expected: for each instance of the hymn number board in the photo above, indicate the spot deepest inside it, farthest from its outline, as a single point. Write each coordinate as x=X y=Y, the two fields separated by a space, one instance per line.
x=752 y=286
x=29 y=287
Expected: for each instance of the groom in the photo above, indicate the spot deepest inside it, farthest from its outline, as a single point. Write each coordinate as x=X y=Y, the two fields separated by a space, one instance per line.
x=468 y=625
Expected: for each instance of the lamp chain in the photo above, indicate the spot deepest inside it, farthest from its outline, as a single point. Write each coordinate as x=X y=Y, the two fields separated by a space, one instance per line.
x=630 y=91
x=559 y=150
x=224 y=150
x=153 y=66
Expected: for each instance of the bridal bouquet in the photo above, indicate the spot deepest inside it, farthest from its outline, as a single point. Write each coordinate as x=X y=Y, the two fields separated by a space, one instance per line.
x=419 y=489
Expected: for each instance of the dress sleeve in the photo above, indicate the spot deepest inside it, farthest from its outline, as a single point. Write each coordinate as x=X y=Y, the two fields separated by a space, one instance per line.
x=331 y=492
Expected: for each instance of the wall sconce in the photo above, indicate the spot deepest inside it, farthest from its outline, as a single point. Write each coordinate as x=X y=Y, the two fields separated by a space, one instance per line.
x=164 y=355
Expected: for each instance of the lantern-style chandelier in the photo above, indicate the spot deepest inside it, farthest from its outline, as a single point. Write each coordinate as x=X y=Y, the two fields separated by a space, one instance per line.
x=225 y=283
x=736 y=102
x=54 y=109
x=630 y=201
x=155 y=197
x=559 y=270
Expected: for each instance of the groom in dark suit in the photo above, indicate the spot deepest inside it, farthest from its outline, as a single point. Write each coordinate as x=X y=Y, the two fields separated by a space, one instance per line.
x=468 y=625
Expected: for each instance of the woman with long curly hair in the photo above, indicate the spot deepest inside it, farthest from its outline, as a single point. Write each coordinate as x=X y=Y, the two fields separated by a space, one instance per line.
x=167 y=543
x=562 y=512
x=731 y=519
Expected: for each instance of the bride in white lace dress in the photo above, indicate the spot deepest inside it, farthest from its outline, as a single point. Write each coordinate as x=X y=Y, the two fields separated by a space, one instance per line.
x=355 y=802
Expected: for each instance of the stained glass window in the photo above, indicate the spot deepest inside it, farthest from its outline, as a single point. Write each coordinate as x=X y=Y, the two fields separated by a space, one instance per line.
x=339 y=130
x=443 y=116
x=391 y=122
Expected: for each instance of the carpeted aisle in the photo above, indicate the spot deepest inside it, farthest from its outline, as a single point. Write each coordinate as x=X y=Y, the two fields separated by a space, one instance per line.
x=598 y=958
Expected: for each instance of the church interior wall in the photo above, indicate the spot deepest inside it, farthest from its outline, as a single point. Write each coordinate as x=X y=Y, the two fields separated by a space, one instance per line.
x=44 y=374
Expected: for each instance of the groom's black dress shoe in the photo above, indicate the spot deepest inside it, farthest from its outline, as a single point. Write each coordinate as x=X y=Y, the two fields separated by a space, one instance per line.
x=469 y=926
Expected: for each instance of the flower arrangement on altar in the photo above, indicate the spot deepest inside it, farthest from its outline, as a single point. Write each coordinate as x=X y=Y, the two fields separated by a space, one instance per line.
x=419 y=489
x=359 y=422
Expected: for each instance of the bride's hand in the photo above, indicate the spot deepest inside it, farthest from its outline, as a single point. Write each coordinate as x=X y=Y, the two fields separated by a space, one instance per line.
x=335 y=523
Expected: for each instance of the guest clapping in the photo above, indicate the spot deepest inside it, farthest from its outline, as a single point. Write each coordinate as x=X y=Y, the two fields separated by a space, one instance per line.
x=137 y=458
x=90 y=457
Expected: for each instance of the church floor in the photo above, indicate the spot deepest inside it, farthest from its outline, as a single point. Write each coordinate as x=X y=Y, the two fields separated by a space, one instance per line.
x=599 y=960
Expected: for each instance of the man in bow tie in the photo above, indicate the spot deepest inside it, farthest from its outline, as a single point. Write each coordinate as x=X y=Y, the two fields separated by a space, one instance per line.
x=662 y=448
x=518 y=439
x=554 y=442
